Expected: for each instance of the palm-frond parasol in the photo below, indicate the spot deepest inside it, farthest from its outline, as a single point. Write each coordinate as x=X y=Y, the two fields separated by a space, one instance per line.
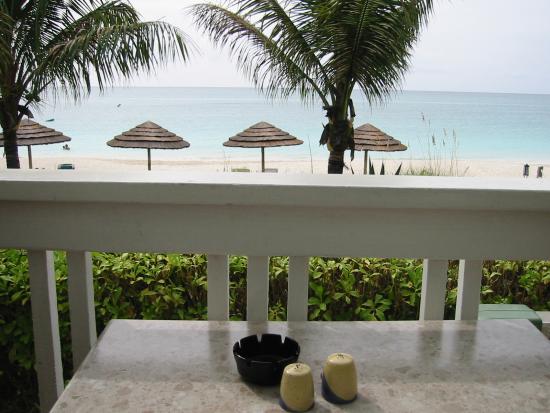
x=32 y=133
x=369 y=138
x=262 y=135
x=148 y=136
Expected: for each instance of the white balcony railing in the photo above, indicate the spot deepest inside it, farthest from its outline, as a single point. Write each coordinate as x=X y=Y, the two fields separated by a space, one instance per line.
x=258 y=216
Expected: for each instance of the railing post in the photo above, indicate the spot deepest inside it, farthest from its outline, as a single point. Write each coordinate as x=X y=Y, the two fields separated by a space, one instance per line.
x=298 y=277
x=47 y=346
x=469 y=286
x=218 y=287
x=81 y=304
x=257 y=288
x=434 y=287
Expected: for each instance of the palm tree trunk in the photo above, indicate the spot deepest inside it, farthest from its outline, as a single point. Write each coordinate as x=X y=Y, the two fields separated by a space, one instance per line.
x=336 y=162
x=10 y=147
x=338 y=144
x=9 y=122
x=339 y=131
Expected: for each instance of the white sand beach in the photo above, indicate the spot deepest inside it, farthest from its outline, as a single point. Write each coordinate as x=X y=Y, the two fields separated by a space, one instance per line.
x=465 y=167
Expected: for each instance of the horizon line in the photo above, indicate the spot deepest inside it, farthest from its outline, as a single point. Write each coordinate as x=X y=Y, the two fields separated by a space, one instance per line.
x=253 y=88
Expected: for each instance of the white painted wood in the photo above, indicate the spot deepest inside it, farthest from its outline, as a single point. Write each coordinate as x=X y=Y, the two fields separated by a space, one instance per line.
x=298 y=284
x=434 y=288
x=469 y=289
x=293 y=231
x=159 y=212
x=345 y=191
x=47 y=346
x=257 y=288
x=218 y=287
x=81 y=304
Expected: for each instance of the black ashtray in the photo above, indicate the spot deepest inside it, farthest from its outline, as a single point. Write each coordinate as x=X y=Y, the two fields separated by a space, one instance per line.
x=263 y=361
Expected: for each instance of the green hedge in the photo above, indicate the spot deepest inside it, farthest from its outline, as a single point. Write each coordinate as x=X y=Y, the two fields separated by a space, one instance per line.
x=153 y=286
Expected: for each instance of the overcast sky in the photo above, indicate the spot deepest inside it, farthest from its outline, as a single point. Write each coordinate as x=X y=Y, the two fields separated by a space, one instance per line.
x=469 y=45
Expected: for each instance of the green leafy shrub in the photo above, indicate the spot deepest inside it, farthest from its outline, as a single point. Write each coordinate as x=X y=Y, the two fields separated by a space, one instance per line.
x=158 y=286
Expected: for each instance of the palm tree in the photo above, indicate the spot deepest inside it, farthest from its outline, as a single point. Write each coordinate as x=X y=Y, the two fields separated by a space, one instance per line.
x=320 y=48
x=59 y=46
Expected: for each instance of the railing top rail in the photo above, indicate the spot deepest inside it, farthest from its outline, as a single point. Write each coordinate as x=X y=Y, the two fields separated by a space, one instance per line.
x=235 y=189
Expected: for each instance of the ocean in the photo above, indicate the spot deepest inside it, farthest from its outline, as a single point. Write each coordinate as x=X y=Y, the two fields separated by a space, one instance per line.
x=474 y=125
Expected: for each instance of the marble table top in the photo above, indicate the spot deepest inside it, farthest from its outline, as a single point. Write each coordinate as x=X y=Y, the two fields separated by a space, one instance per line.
x=406 y=366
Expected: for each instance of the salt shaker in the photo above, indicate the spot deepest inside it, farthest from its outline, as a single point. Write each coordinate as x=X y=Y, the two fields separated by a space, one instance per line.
x=339 y=379
x=297 y=388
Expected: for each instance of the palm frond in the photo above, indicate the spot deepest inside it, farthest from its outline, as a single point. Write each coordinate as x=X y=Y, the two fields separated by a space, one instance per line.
x=268 y=60
x=67 y=43
x=109 y=54
x=284 y=24
x=108 y=42
x=373 y=40
x=6 y=25
x=333 y=44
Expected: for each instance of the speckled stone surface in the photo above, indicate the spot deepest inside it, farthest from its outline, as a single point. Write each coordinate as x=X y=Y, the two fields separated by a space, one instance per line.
x=444 y=367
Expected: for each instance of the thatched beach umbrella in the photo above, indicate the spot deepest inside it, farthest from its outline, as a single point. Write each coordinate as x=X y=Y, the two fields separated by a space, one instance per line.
x=262 y=135
x=31 y=133
x=148 y=136
x=369 y=138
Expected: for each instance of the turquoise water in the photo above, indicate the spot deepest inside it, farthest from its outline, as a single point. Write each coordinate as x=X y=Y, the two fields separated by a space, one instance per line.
x=486 y=126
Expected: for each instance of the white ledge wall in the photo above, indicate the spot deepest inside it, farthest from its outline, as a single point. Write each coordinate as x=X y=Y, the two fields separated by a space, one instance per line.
x=267 y=215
